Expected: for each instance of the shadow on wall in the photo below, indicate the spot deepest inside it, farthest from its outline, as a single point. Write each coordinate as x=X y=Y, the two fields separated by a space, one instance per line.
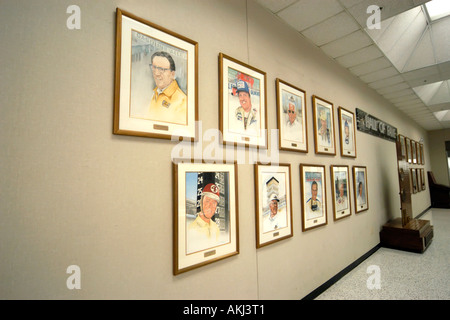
x=390 y=197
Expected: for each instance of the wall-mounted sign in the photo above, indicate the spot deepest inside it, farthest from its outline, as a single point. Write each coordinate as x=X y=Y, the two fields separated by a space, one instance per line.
x=374 y=126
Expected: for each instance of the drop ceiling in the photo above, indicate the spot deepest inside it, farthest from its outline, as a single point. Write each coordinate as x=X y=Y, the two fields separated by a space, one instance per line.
x=406 y=59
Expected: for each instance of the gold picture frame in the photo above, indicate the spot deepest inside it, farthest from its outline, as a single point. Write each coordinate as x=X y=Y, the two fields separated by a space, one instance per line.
x=206 y=219
x=156 y=81
x=323 y=119
x=291 y=117
x=242 y=103
x=313 y=196
x=273 y=203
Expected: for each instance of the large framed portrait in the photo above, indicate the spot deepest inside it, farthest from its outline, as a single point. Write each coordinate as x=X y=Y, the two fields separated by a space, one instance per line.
x=243 y=103
x=360 y=188
x=414 y=151
x=155 y=80
x=422 y=175
x=291 y=116
x=347 y=133
x=313 y=196
x=273 y=203
x=413 y=180
x=206 y=225
x=408 y=150
x=340 y=184
x=323 y=118
x=422 y=158
x=401 y=139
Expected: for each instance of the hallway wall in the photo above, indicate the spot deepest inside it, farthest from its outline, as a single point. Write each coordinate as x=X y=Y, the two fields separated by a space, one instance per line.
x=72 y=193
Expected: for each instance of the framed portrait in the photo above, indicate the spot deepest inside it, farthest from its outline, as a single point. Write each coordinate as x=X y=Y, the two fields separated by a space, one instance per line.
x=347 y=133
x=413 y=179
x=313 y=196
x=340 y=185
x=273 y=203
x=401 y=140
x=156 y=80
x=360 y=188
x=408 y=149
x=291 y=117
x=422 y=158
x=422 y=175
x=206 y=225
x=242 y=103
x=323 y=119
x=419 y=180
x=413 y=152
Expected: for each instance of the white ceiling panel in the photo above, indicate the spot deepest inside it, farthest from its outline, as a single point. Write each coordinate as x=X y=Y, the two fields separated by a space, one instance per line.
x=350 y=3
x=440 y=107
x=390 y=8
x=405 y=104
x=408 y=51
x=371 y=66
x=275 y=6
x=352 y=42
x=360 y=56
x=395 y=88
x=405 y=94
x=441 y=39
x=423 y=55
x=383 y=83
x=306 y=13
x=409 y=39
x=380 y=74
x=331 y=29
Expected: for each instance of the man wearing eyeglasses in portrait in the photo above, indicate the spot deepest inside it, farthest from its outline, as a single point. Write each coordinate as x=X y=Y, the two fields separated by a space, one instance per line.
x=293 y=130
x=168 y=103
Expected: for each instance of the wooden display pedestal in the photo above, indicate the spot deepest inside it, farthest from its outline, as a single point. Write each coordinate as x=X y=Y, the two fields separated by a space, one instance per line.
x=415 y=236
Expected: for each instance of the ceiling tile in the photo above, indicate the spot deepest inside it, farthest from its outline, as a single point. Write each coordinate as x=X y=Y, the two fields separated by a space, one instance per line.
x=402 y=93
x=390 y=8
x=331 y=29
x=386 y=82
x=441 y=39
x=380 y=74
x=306 y=13
x=360 y=56
x=397 y=87
x=423 y=55
x=275 y=6
x=352 y=42
x=350 y=3
x=440 y=107
x=370 y=66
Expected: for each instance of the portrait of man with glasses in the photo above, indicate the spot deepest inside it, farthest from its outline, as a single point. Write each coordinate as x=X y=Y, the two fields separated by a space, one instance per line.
x=168 y=102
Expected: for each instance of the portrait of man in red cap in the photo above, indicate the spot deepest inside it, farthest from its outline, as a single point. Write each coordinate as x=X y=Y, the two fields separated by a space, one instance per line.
x=204 y=230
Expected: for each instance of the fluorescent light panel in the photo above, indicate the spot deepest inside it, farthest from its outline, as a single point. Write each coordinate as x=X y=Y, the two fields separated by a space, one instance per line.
x=438 y=9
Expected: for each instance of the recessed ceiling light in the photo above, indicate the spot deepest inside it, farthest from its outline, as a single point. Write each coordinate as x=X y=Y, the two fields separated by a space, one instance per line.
x=438 y=9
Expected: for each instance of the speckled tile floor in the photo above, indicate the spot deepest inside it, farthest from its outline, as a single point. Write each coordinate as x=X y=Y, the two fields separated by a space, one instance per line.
x=402 y=275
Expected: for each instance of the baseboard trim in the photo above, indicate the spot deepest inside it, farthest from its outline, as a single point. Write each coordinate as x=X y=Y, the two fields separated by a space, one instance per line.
x=314 y=294
x=423 y=212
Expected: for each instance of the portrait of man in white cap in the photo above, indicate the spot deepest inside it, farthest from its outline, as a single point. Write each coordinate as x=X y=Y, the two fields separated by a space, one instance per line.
x=324 y=132
x=292 y=125
x=276 y=218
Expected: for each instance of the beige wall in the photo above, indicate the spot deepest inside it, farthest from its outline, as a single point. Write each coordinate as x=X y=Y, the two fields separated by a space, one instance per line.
x=74 y=193
x=438 y=155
